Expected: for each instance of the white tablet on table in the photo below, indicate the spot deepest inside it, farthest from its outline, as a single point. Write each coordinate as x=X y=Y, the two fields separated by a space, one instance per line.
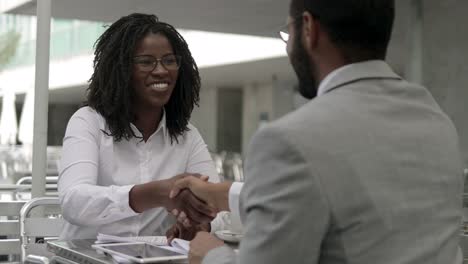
x=140 y=252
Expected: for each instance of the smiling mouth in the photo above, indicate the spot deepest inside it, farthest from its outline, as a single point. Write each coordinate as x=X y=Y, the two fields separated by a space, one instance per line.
x=160 y=87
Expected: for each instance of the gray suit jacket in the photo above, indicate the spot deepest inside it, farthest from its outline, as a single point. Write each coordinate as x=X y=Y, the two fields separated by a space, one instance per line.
x=369 y=172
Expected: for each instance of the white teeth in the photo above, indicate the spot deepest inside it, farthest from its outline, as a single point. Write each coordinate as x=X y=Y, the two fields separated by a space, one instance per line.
x=160 y=86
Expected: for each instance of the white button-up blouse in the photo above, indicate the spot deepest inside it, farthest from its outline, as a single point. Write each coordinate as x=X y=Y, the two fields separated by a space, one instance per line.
x=97 y=173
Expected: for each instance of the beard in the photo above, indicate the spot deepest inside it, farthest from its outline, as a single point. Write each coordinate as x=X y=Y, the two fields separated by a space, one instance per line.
x=305 y=69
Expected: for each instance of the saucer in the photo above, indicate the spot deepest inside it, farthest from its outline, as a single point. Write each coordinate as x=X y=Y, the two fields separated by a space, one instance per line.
x=229 y=236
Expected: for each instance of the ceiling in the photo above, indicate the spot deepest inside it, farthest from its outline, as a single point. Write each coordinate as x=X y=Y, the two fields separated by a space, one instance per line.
x=252 y=17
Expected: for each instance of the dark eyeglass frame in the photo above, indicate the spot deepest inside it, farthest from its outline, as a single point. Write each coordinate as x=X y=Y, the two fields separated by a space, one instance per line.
x=139 y=62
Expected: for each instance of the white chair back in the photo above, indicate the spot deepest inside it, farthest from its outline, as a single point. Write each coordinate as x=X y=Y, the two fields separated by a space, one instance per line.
x=9 y=229
x=38 y=226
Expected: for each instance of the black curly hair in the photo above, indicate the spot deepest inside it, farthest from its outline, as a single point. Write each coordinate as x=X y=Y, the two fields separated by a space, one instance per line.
x=110 y=91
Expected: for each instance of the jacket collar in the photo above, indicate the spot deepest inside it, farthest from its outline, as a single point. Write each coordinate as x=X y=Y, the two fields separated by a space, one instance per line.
x=374 y=69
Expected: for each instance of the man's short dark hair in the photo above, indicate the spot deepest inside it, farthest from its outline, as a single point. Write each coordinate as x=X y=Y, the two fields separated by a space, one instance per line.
x=361 y=29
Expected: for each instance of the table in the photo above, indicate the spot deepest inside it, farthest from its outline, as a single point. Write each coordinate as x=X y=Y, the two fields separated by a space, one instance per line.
x=80 y=251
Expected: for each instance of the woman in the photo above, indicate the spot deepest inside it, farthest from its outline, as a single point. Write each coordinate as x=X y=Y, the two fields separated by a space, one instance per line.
x=122 y=149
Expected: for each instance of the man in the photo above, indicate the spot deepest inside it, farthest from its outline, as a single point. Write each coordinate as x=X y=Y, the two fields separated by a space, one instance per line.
x=369 y=171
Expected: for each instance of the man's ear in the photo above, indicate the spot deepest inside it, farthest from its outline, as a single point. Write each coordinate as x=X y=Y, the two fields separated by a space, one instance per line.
x=310 y=28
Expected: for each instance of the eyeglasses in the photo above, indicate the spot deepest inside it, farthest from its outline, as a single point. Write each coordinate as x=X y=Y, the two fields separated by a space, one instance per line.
x=148 y=63
x=284 y=31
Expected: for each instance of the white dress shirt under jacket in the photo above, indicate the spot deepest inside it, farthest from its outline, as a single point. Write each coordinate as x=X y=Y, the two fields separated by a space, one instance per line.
x=97 y=173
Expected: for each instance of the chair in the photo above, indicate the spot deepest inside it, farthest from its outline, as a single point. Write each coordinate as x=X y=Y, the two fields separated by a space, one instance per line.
x=37 y=227
x=23 y=194
x=9 y=229
x=232 y=166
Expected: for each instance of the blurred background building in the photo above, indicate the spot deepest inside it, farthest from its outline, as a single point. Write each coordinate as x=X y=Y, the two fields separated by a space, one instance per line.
x=246 y=77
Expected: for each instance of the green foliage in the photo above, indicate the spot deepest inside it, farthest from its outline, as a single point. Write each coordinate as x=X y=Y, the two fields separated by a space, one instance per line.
x=8 y=44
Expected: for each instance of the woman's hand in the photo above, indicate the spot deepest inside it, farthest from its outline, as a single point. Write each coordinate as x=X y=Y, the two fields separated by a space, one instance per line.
x=215 y=195
x=156 y=194
x=187 y=202
x=187 y=233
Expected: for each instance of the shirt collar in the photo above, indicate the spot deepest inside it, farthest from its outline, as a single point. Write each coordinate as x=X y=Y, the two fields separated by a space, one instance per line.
x=162 y=126
x=355 y=71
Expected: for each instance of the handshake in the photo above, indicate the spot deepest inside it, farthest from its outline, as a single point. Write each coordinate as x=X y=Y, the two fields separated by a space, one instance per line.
x=195 y=202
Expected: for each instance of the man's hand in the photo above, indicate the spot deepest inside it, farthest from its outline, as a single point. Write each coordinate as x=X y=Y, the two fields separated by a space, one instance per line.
x=187 y=202
x=216 y=195
x=201 y=245
x=180 y=231
x=198 y=210
x=156 y=194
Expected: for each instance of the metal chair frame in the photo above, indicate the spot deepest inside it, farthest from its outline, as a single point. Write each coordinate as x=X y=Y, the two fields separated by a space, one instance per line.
x=34 y=227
